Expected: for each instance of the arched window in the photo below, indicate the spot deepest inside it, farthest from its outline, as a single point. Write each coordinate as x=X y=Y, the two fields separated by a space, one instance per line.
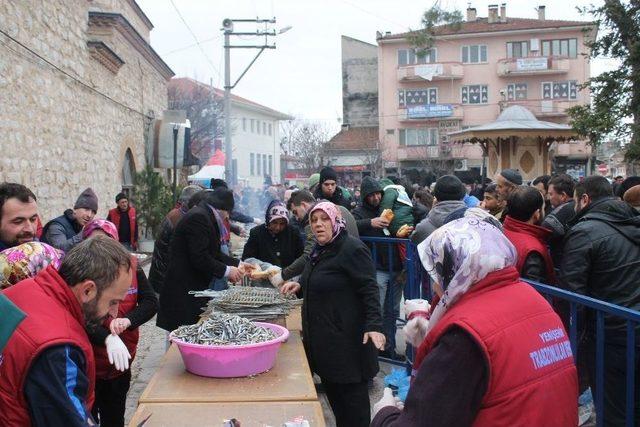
x=128 y=170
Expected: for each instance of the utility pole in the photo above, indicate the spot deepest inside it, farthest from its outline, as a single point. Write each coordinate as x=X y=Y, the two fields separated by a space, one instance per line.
x=227 y=27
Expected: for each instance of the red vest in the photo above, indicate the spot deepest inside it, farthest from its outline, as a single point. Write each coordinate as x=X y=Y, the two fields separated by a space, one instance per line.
x=532 y=376
x=54 y=316
x=528 y=238
x=104 y=369
x=114 y=217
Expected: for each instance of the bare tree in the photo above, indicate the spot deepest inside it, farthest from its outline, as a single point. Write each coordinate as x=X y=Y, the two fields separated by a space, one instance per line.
x=306 y=142
x=205 y=112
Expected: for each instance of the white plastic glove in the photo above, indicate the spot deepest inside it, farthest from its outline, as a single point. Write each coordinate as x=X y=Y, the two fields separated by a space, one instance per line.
x=412 y=305
x=276 y=280
x=415 y=330
x=118 y=354
x=387 y=400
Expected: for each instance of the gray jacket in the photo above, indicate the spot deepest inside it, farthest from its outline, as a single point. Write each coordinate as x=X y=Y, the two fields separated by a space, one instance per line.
x=435 y=219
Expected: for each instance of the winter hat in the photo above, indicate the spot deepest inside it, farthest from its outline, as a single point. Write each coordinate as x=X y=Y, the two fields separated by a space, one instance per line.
x=632 y=196
x=512 y=175
x=121 y=196
x=368 y=187
x=314 y=179
x=87 y=200
x=328 y=174
x=276 y=210
x=221 y=199
x=449 y=187
x=631 y=181
x=107 y=227
x=218 y=183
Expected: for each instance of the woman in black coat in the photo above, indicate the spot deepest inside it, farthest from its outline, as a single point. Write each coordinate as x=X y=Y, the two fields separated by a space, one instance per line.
x=195 y=258
x=341 y=319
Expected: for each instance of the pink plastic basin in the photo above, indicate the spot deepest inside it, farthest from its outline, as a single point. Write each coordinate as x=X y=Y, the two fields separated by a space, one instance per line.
x=228 y=361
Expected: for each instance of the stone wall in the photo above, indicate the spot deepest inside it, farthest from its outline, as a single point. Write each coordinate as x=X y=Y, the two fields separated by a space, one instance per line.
x=359 y=83
x=69 y=128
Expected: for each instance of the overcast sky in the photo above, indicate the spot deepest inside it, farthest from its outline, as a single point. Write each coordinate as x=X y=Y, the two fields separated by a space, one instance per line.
x=302 y=76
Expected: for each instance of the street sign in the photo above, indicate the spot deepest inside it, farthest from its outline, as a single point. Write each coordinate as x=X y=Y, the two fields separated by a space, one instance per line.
x=429 y=111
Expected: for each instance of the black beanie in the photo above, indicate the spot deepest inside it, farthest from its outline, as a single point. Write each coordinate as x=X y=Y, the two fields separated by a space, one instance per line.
x=512 y=175
x=449 y=187
x=87 y=200
x=121 y=196
x=218 y=183
x=328 y=174
x=221 y=199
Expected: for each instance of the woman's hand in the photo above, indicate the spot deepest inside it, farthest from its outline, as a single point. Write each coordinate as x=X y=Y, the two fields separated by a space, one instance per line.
x=290 y=288
x=119 y=325
x=377 y=338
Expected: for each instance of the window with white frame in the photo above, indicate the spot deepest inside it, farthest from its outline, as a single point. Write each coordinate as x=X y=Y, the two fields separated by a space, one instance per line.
x=516 y=91
x=414 y=56
x=253 y=126
x=474 y=54
x=270 y=164
x=517 y=49
x=258 y=127
x=560 y=47
x=475 y=94
x=412 y=97
x=567 y=89
x=244 y=124
x=264 y=128
x=270 y=129
x=259 y=164
x=252 y=164
x=420 y=136
x=264 y=164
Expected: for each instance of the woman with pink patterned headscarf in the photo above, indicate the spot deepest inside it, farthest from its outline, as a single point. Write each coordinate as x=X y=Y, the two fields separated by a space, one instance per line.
x=341 y=318
x=25 y=261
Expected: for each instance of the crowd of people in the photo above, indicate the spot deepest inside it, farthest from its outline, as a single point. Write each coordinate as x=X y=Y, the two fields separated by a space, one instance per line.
x=489 y=349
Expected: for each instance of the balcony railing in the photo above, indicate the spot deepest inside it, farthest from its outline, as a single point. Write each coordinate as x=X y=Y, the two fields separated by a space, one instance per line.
x=429 y=72
x=546 y=108
x=532 y=66
x=430 y=112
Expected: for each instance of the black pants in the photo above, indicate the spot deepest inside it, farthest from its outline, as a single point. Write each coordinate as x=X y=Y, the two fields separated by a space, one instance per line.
x=350 y=403
x=615 y=388
x=111 y=397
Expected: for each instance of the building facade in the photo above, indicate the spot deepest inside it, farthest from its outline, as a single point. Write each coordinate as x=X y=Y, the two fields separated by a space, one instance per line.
x=79 y=88
x=469 y=76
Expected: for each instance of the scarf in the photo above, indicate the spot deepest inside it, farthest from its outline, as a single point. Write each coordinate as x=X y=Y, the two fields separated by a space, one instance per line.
x=25 y=261
x=100 y=224
x=337 y=225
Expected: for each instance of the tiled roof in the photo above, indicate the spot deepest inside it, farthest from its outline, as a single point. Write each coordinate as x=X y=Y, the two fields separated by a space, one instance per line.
x=481 y=25
x=354 y=138
x=186 y=82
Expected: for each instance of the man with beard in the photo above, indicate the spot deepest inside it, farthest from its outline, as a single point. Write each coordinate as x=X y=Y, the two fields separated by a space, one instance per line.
x=18 y=215
x=522 y=227
x=65 y=231
x=48 y=365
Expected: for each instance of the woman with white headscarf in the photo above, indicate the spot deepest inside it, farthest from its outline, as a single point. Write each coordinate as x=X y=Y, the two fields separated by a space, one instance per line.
x=493 y=352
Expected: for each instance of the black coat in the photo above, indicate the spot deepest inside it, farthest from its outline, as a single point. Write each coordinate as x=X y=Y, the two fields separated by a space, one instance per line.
x=363 y=215
x=341 y=303
x=338 y=197
x=194 y=259
x=602 y=260
x=557 y=221
x=161 y=247
x=280 y=250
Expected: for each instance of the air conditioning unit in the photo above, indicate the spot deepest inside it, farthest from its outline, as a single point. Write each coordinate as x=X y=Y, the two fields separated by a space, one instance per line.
x=460 y=165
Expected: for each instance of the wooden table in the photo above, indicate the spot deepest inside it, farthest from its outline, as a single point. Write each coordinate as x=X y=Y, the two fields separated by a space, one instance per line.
x=250 y=414
x=294 y=319
x=289 y=380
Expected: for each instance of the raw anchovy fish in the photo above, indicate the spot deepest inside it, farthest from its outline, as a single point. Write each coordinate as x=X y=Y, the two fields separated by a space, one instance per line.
x=224 y=329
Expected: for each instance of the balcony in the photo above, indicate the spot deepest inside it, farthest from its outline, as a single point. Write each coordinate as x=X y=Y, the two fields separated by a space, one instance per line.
x=430 y=112
x=431 y=72
x=420 y=152
x=546 y=108
x=532 y=66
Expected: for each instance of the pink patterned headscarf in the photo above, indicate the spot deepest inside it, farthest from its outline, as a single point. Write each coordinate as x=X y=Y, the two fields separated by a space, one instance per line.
x=25 y=261
x=334 y=215
x=100 y=224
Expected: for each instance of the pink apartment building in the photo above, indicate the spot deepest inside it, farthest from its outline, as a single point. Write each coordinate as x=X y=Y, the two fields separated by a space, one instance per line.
x=469 y=76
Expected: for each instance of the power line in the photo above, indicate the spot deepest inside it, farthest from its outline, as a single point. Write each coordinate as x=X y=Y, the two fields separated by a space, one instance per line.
x=74 y=78
x=180 y=49
x=195 y=38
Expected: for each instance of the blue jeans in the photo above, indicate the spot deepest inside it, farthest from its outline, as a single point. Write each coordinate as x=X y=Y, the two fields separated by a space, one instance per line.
x=220 y=284
x=389 y=286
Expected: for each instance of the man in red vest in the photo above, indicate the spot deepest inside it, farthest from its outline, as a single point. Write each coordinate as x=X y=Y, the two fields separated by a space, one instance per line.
x=47 y=369
x=525 y=208
x=124 y=217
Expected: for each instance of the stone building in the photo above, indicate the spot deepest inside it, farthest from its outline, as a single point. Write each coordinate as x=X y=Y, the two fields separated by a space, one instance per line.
x=79 y=88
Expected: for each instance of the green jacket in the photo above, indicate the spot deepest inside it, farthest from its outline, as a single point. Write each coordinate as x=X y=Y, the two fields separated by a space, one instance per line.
x=395 y=198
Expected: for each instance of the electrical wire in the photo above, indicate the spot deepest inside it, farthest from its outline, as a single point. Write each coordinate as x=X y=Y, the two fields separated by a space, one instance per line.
x=67 y=74
x=195 y=38
x=180 y=49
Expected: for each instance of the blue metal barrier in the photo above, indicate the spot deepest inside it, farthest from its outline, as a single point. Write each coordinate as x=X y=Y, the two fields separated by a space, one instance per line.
x=577 y=303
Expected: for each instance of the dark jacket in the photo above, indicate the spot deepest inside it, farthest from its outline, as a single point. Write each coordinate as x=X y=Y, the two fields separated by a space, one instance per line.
x=280 y=250
x=194 y=259
x=602 y=260
x=435 y=219
x=420 y=212
x=557 y=222
x=160 y=258
x=363 y=215
x=338 y=197
x=62 y=232
x=341 y=303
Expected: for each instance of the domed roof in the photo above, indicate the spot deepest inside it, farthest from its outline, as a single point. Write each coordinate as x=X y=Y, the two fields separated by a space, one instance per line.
x=516 y=113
